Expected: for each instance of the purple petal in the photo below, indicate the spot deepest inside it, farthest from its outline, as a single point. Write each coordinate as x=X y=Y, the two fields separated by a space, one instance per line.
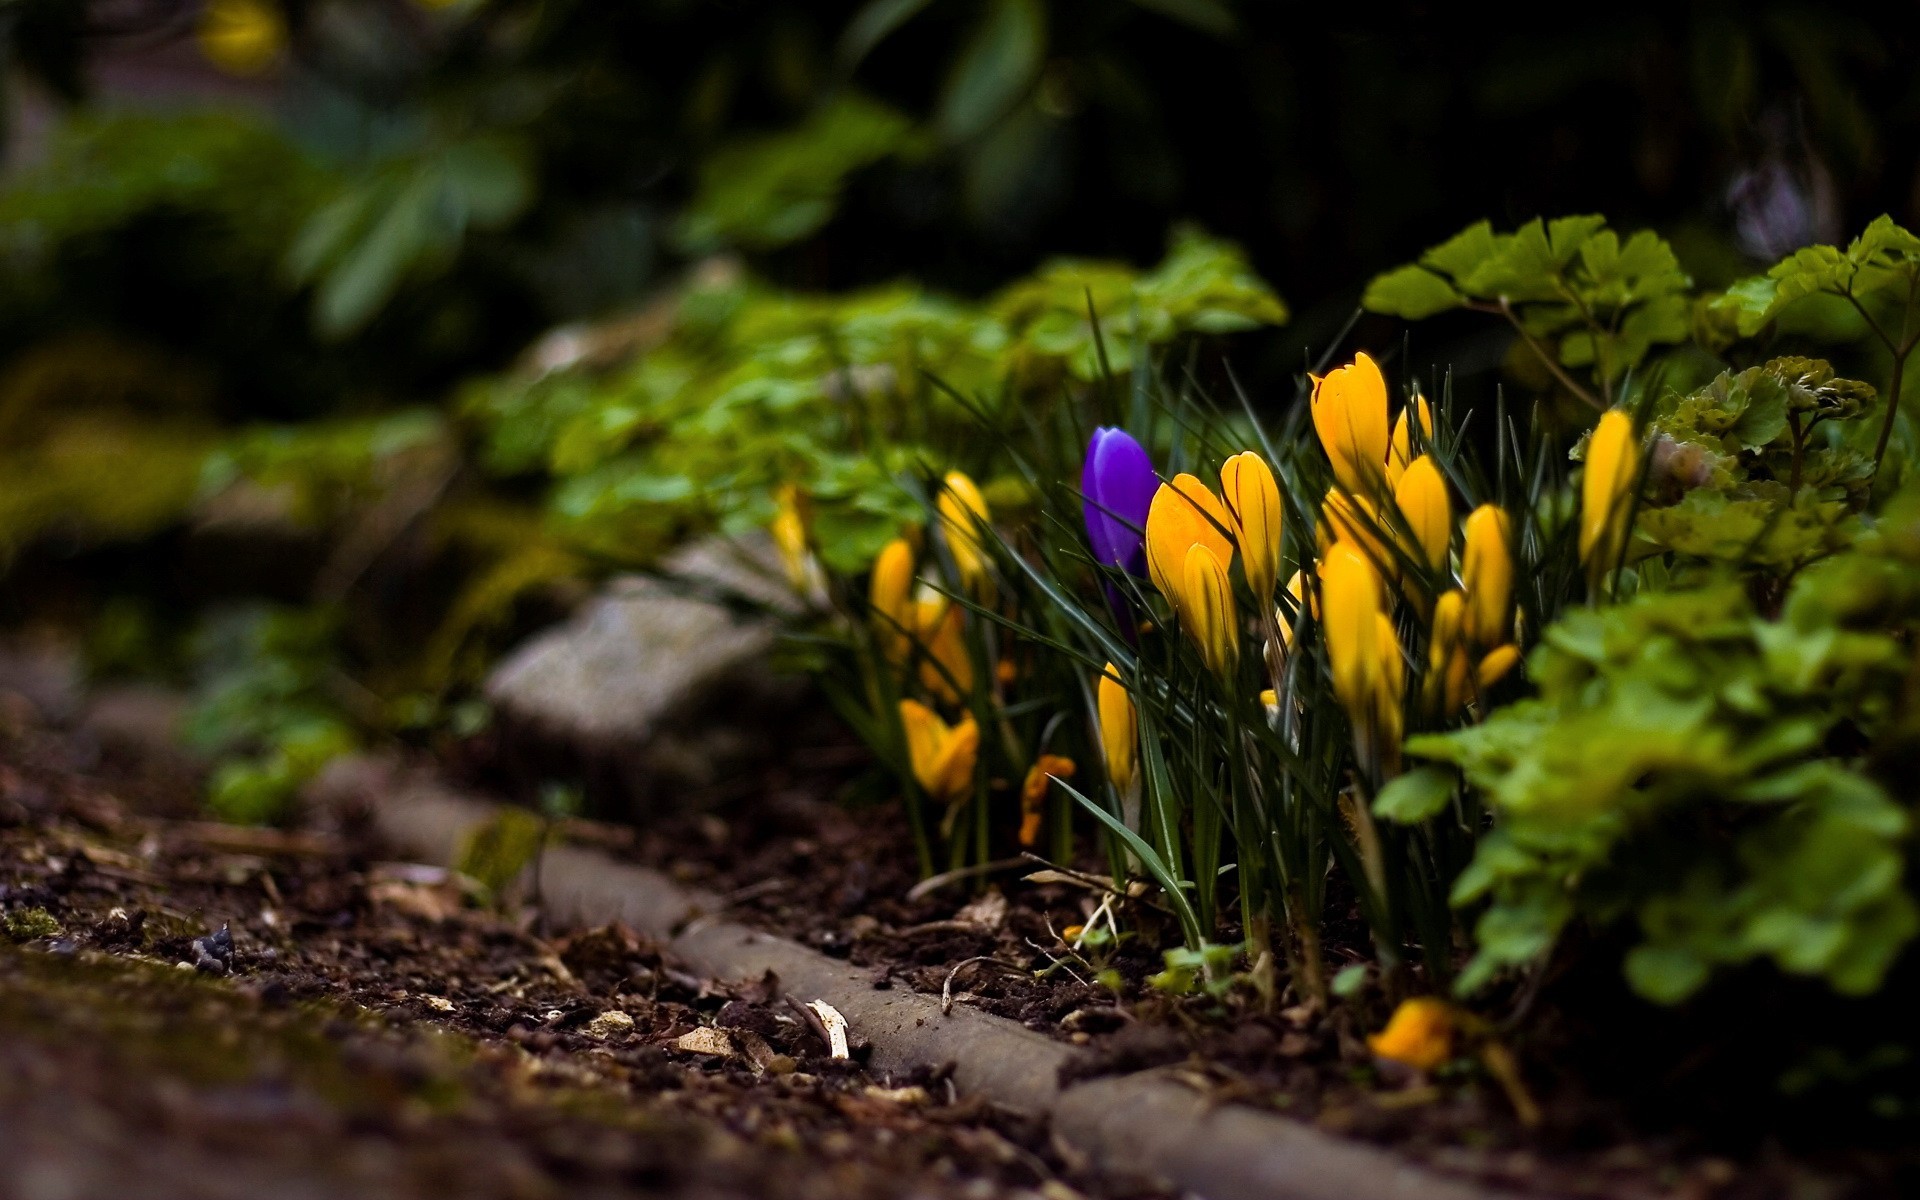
x=1118 y=483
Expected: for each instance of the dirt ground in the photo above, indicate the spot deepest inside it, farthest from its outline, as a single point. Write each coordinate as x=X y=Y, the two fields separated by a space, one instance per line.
x=372 y=1031
x=376 y=1028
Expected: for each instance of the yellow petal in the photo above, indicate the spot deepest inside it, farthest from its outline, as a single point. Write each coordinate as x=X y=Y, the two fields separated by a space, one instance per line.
x=1208 y=612
x=1252 y=498
x=1389 y=680
x=927 y=737
x=1486 y=568
x=1295 y=584
x=1118 y=734
x=953 y=770
x=1494 y=667
x=1422 y=497
x=1401 y=452
x=1350 y=600
x=1184 y=514
x=890 y=599
x=963 y=516
x=1345 y=518
x=1418 y=1035
x=1446 y=657
x=1350 y=416
x=947 y=671
x=1613 y=459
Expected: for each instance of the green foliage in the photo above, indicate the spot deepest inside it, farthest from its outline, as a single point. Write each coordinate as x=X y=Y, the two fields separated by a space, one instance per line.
x=742 y=389
x=1603 y=302
x=1883 y=262
x=266 y=708
x=1676 y=770
x=1765 y=473
x=405 y=218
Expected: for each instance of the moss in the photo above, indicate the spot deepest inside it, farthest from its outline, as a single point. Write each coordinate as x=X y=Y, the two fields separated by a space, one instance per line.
x=31 y=923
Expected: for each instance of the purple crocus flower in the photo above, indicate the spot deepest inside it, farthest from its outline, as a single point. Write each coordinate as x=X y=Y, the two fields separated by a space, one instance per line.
x=1118 y=484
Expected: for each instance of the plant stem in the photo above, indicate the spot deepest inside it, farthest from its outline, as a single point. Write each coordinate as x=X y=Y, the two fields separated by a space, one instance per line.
x=1505 y=309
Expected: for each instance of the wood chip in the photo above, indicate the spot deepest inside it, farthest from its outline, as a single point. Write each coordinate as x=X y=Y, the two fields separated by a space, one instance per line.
x=706 y=1040
x=836 y=1026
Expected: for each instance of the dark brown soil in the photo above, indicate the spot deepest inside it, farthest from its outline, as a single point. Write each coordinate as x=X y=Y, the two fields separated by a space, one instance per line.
x=372 y=1032
x=1615 y=1119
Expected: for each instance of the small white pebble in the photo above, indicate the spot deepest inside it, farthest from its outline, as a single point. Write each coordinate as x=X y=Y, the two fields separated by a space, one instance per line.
x=439 y=1003
x=609 y=1025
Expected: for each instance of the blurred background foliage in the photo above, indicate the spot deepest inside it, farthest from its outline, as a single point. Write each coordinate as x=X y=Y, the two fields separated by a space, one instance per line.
x=341 y=339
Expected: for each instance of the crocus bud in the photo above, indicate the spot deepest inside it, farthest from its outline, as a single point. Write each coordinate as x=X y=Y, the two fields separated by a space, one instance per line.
x=941 y=629
x=1207 y=613
x=1486 y=568
x=943 y=756
x=1444 y=690
x=1494 y=667
x=1184 y=514
x=1296 y=585
x=1369 y=676
x=1033 y=792
x=1419 y=1034
x=963 y=517
x=1119 y=734
x=1422 y=497
x=1117 y=486
x=1401 y=452
x=890 y=599
x=1253 y=501
x=1353 y=519
x=1613 y=459
x=1350 y=415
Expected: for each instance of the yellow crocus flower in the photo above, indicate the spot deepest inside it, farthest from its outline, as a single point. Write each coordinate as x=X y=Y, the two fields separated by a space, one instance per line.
x=890 y=599
x=1613 y=460
x=1494 y=667
x=963 y=516
x=1184 y=513
x=242 y=37
x=1419 y=1034
x=1350 y=416
x=1033 y=792
x=1207 y=613
x=1348 y=518
x=1445 y=689
x=1119 y=733
x=1400 y=451
x=943 y=755
x=1486 y=568
x=1422 y=497
x=1253 y=501
x=941 y=629
x=1296 y=584
x=1350 y=594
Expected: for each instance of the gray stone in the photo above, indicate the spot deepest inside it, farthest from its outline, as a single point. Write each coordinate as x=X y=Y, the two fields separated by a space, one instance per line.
x=667 y=674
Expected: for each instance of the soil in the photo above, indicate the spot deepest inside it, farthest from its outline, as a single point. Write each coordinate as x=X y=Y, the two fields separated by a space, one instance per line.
x=415 y=1035
x=370 y=1029
x=1685 y=1108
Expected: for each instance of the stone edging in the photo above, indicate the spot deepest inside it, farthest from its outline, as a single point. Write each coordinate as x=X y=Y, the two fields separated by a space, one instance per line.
x=1145 y=1124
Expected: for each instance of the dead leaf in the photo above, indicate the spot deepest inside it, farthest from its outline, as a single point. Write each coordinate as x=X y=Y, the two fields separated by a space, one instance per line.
x=989 y=912
x=706 y=1040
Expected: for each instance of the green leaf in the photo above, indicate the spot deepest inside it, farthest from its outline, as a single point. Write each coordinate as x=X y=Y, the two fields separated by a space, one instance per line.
x=1000 y=61
x=1208 y=16
x=1416 y=796
x=1412 y=292
x=871 y=26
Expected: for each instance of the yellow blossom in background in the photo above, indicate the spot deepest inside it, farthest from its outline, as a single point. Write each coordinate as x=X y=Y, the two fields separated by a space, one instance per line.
x=1369 y=676
x=1296 y=583
x=890 y=599
x=1422 y=498
x=1419 y=1034
x=1350 y=416
x=242 y=37
x=941 y=629
x=943 y=755
x=1184 y=513
x=1119 y=734
x=963 y=515
x=1486 y=569
x=789 y=532
x=1444 y=690
x=1208 y=613
x=1494 y=667
x=1345 y=518
x=1613 y=460
x=1033 y=792
x=1252 y=498
x=1400 y=453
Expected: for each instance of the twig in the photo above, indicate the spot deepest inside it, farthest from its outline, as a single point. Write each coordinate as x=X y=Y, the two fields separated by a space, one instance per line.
x=1505 y=309
x=933 y=883
x=946 y=989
